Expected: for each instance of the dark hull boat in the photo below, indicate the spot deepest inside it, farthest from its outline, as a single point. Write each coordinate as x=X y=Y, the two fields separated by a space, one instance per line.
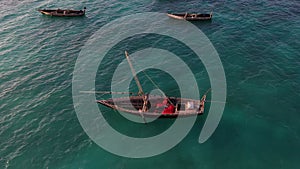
x=191 y=16
x=145 y=105
x=62 y=12
x=157 y=106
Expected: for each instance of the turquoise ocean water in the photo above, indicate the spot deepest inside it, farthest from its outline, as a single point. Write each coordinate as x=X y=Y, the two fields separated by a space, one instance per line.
x=258 y=43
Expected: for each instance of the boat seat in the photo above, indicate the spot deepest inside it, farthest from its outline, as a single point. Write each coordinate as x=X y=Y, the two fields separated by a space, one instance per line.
x=189 y=106
x=179 y=106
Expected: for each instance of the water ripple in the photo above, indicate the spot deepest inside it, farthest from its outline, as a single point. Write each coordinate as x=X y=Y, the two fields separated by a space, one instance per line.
x=257 y=43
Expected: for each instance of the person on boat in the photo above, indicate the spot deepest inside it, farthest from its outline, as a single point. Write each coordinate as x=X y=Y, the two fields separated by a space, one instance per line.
x=169 y=107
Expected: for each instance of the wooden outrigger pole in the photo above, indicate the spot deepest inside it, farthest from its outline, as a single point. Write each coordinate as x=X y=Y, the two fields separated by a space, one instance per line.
x=141 y=92
x=134 y=75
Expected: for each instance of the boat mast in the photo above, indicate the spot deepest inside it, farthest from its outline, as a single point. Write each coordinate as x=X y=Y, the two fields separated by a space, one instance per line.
x=145 y=97
x=134 y=75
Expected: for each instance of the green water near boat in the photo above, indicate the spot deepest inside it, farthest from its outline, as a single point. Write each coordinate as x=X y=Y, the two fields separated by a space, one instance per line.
x=258 y=44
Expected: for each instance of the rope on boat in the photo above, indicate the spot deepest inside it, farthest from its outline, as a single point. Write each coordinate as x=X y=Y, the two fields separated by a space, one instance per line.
x=207 y=91
x=156 y=86
x=211 y=100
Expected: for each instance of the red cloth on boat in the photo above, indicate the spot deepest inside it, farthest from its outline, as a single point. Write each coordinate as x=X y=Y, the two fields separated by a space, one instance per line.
x=169 y=110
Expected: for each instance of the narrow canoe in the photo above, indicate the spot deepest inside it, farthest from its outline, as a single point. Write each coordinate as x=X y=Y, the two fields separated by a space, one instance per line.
x=62 y=12
x=191 y=16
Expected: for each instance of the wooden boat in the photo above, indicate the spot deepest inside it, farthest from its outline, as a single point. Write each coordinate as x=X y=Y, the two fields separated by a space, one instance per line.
x=63 y=12
x=156 y=106
x=145 y=105
x=191 y=16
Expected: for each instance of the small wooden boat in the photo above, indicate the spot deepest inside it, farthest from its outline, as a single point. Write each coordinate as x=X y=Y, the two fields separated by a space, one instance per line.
x=145 y=105
x=63 y=12
x=156 y=106
x=191 y=16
